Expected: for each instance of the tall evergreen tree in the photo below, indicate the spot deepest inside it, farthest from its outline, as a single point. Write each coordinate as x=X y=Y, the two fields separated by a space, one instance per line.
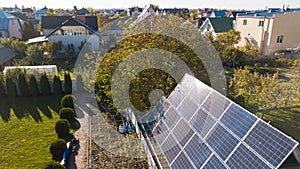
x=57 y=86
x=45 y=85
x=11 y=87
x=23 y=86
x=34 y=89
x=2 y=90
x=68 y=83
x=29 y=31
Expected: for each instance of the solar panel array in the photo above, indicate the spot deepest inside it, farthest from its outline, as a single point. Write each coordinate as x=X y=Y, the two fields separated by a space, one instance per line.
x=197 y=127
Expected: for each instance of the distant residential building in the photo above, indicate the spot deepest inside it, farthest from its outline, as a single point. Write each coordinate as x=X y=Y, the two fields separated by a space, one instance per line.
x=134 y=11
x=6 y=55
x=11 y=9
x=27 y=11
x=175 y=11
x=233 y=14
x=147 y=11
x=10 y=26
x=82 y=11
x=271 y=30
x=39 y=13
x=216 y=26
x=204 y=13
x=69 y=29
x=22 y=18
x=218 y=13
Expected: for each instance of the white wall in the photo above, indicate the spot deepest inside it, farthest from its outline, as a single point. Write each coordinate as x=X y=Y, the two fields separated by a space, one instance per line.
x=75 y=40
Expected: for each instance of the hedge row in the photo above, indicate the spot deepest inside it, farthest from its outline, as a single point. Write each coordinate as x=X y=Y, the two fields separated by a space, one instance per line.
x=11 y=88
x=62 y=128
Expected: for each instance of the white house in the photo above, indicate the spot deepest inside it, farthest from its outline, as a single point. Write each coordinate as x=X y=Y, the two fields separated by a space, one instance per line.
x=70 y=30
x=270 y=31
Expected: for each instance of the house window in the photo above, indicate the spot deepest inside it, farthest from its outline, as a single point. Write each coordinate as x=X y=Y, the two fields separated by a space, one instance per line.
x=261 y=23
x=280 y=39
x=245 y=22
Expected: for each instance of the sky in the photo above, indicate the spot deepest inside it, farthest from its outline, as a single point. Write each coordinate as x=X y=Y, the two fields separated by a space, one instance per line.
x=192 y=4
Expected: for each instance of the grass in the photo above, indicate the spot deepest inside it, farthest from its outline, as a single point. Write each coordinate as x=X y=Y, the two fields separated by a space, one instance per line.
x=27 y=131
x=286 y=119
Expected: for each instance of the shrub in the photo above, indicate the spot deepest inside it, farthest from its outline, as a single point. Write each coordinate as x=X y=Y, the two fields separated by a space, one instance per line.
x=11 y=88
x=62 y=128
x=23 y=86
x=57 y=149
x=54 y=165
x=67 y=113
x=68 y=83
x=34 y=89
x=2 y=90
x=67 y=101
x=57 y=87
x=45 y=85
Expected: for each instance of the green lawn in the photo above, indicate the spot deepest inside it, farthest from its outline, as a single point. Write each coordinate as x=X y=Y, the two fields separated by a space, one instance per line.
x=286 y=119
x=27 y=131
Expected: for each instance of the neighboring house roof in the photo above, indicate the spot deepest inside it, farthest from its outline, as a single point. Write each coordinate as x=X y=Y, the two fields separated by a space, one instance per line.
x=4 y=18
x=219 y=13
x=221 y=24
x=6 y=54
x=72 y=21
x=41 y=11
x=52 y=22
x=20 y=16
x=27 y=10
x=234 y=13
x=267 y=13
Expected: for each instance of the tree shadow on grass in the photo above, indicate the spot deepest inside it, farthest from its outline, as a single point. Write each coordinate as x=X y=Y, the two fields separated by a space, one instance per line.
x=4 y=111
x=28 y=111
x=29 y=106
x=46 y=111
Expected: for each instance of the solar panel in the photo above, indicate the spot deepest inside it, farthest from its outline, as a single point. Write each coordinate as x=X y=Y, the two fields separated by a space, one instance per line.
x=170 y=148
x=171 y=118
x=221 y=141
x=187 y=108
x=182 y=132
x=271 y=144
x=202 y=122
x=216 y=104
x=238 y=120
x=197 y=127
x=182 y=162
x=197 y=151
x=214 y=163
x=244 y=158
x=160 y=132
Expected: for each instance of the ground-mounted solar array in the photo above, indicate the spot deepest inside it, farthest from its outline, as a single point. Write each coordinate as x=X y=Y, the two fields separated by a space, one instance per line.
x=197 y=127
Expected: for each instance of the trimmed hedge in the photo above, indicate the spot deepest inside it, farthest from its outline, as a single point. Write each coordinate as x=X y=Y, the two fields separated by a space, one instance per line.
x=54 y=165
x=67 y=113
x=57 y=149
x=62 y=128
x=68 y=101
x=34 y=89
